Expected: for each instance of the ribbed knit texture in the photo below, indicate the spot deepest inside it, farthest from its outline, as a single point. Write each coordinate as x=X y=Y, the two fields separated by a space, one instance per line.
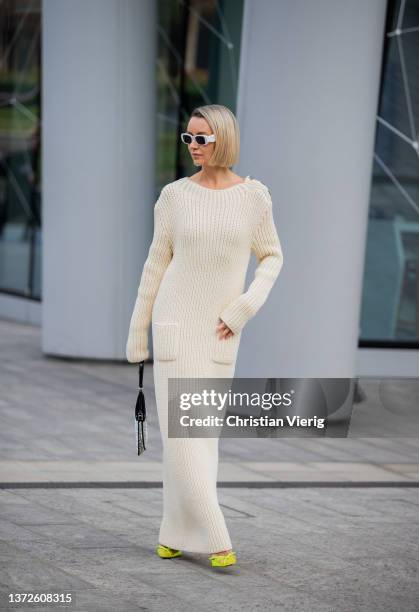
x=194 y=275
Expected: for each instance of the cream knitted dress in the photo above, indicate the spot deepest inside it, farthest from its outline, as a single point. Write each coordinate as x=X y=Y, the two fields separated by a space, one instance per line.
x=194 y=275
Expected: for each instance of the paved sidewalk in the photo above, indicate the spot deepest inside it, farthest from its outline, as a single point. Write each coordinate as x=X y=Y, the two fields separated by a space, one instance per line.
x=80 y=511
x=314 y=550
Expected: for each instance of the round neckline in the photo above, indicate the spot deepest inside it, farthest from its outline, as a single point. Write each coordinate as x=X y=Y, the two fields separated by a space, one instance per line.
x=190 y=181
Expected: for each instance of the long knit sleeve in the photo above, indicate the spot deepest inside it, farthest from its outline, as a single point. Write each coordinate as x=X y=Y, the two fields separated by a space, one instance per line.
x=267 y=248
x=159 y=257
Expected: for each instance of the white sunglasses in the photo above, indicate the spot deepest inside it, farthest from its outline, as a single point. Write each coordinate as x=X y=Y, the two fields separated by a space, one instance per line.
x=200 y=139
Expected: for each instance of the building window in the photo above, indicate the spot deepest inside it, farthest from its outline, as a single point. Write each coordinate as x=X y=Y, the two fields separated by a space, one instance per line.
x=20 y=160
x=197 y=63
x=390 y=301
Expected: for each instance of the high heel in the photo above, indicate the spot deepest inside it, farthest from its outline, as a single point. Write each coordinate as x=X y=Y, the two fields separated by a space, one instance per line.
x=165 y=552
x=223 y=560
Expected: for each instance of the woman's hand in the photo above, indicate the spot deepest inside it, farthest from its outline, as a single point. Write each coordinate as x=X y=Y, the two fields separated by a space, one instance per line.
x=223 y=331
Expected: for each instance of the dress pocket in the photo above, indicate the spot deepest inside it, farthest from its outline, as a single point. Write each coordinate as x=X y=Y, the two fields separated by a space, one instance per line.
x=225 y=351
x=165 y=341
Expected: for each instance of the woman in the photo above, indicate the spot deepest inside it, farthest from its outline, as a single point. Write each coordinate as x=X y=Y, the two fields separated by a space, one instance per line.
x=191 y=290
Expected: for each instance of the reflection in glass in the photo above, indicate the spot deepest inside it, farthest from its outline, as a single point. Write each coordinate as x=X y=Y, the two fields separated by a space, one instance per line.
x=20 y=161
x=197 y=63
x=390 y=304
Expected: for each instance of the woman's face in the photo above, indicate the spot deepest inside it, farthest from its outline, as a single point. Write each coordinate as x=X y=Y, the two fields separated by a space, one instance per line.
x=200 y=153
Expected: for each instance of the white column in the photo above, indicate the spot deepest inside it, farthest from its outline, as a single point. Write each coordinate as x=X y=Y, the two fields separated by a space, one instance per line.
x=308 y=94
x=98 y=141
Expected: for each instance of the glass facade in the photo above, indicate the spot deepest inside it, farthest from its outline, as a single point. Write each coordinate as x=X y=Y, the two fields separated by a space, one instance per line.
x=20 y=159
x=390 y=303
x=197 y=63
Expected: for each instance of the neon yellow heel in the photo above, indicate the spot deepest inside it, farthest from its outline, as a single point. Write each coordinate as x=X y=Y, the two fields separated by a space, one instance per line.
x=223 y=560
x=165 y=552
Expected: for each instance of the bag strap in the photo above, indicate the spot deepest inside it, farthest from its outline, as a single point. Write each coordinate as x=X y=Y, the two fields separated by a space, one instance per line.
x=141 y=372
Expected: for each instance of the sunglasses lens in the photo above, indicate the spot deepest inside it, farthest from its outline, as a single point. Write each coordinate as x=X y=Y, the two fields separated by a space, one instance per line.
x=186 y=138
x=200 y=140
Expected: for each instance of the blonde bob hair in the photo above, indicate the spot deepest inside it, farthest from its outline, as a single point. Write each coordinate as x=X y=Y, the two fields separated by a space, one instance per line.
x=224 y=125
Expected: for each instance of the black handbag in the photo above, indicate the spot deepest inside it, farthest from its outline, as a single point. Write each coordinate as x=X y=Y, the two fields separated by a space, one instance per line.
x=140 y=415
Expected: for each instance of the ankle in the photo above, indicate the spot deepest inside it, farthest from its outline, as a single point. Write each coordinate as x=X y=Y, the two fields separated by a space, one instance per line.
x=223 y=552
